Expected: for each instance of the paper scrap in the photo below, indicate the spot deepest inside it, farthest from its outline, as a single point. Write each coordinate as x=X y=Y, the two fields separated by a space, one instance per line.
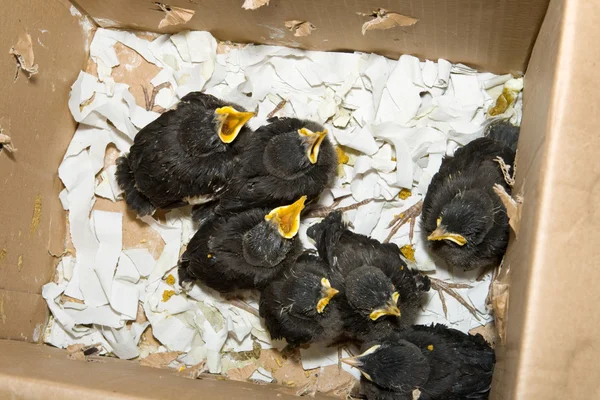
x=318 y=355
x=261 y=375
x=159 y=360
x=254 y=4
x=384 y=19
x=174 y=15
x=23 y=52
x=6 y=143
x=300 y=28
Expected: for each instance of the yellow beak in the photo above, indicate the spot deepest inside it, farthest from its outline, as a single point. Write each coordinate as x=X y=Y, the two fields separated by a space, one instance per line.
x=329 y=292
x=314 y=139
x=391 y=309
x=440 y=233
x=287 y=218
x=231 y=122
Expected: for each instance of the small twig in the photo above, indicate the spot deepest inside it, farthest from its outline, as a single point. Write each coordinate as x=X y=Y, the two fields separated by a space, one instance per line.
x=278 y=107
x=508 y=177
x=150 y=99
x=324 y=211
x=411 y=215
x=442 y=286
x=242 y=305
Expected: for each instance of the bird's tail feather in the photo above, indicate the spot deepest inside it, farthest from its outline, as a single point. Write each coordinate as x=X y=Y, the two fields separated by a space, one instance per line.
x=134 y=198
x=504 y=132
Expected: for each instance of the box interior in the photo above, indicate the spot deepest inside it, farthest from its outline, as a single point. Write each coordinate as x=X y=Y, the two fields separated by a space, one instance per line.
x=549 y=348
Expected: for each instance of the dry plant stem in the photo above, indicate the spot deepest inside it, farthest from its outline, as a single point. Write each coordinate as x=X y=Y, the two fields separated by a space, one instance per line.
x=278 y=107
x=242 y=305
x=442 y=286
x=508 y=177
x=411 y=215
x=150 y=99
x=324 y=211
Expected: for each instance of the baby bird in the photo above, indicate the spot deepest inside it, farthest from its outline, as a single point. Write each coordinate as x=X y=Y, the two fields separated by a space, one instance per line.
x=296 y=306
x=441 y=363
x=287 y=158
x=243 y=251
x=345 y=251
x=369 y=304
x=183 y=157
x=463 y=220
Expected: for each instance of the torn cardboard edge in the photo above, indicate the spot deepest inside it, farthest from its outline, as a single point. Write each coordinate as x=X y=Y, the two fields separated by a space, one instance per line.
x=174 y=15
x=300 y=28
x=384 y=19
x=6 y=143
x=254 y=4
x=23 y=52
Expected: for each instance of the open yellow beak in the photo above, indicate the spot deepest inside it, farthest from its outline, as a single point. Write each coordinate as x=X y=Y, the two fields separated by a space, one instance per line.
x=287 y=218
x=231 y=122
x=391 y=309
x=440 y=233
x=314 y=139
x=328 y=292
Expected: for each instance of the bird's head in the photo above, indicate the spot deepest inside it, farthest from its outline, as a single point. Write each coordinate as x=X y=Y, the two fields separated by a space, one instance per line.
x=392 y=365
x=309 y=293
x=311 y=141
x=286 y=219
x=230 y=121
x=370 y=292
x=465 y=220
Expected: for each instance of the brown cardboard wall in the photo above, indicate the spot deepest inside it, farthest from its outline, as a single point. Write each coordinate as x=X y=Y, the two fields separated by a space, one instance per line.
x=554 y=318
x=35 y=114
x=492 y=35
x=41 y=372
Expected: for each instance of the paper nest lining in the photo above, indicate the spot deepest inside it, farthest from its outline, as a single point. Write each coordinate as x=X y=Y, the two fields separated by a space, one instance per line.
x=395 y=120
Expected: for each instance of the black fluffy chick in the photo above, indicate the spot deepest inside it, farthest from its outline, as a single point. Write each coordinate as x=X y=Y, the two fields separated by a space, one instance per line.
x=285 y=159
x=463 y=220
x=369 y=306
x=183 y=157
x=442 y=363
x=243 y=251
x=345 y=251
x=297 y=305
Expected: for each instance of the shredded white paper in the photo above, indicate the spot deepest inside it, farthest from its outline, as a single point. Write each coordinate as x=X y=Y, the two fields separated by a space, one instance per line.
x=396 y=119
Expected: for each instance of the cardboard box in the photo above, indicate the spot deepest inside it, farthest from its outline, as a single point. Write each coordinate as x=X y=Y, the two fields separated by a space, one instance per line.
x=553 y=319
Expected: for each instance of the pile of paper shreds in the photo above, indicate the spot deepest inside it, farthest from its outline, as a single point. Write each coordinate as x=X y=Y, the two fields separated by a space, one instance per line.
x=393 y=122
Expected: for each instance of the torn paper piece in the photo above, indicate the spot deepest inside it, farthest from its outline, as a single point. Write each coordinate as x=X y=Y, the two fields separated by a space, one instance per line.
x=160 y=360
x=103 y=315
x=261 y=375
x=385 y=19
x=300 y=28
x=195 y=46
x=50 y=293
x=6 y=143
x=124 y=298
x=174 y=15
x=513 y=207
x=317 y=355
x=109 y=232
x=142 y=259
x=132 y=41
x=122 y=341
x=360 y=139
x=254 y=4
x=171 y=331
x=23 y=52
